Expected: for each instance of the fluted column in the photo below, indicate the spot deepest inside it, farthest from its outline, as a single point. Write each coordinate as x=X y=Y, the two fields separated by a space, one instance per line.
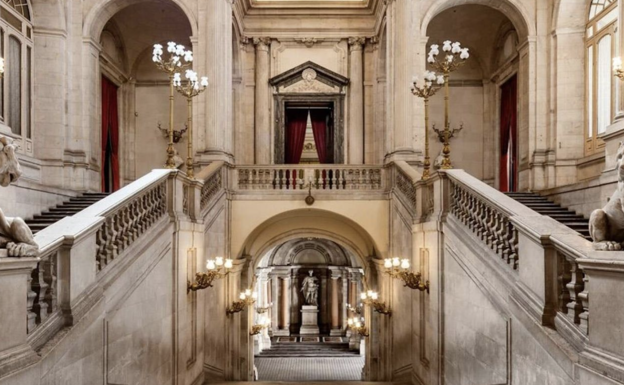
x=356 y=101
x=217 y=138
x=262 y=118
x=620 y=52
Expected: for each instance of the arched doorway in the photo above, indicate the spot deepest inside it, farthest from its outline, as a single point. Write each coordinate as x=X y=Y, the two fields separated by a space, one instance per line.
x=354 y=251
x=126 y=76
x=491 y=96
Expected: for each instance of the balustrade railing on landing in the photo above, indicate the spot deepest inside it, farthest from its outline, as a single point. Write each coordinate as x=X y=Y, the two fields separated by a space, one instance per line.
x=501 y=223
x=299 y=177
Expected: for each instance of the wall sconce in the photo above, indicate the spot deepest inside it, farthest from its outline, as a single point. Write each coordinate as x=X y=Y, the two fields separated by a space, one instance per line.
x=372 y=298
x=617 y=68
x=217 y=269
x=264 y=309
x=355 y=310
x=246 y=299
x=1 y=67
x=400 y=269
x=356 y=325
x=256 y=329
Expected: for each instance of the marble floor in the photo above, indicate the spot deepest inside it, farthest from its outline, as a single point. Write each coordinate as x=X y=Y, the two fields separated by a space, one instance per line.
x=307 y=369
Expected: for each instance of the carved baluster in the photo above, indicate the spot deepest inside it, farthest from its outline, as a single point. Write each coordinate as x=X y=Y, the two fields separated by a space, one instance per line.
x=514 y=245
x=49 y=277
x=505 y=237
x=39 y=287
x=563 y=279
x=31 y=295
x=575 y=287
x=584 y=297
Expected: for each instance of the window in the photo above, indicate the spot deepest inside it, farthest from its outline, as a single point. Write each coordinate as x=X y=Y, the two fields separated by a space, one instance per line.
x=16 y=47
x=600 y=37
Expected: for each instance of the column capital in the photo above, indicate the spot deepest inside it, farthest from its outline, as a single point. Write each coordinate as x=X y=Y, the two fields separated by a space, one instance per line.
x=262 y=43
x=356 y=43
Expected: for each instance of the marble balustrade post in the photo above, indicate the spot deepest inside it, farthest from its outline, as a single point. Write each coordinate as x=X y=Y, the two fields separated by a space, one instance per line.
x=262 y=110
x=356 y=101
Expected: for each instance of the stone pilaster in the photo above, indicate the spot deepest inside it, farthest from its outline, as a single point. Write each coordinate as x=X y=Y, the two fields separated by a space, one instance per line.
x=356 y=101
x=335 y=303
x=262 y=111
x=217 y=138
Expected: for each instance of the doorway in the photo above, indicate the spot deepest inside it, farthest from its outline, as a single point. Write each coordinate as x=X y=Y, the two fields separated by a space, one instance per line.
x=110 y=137
x=309 y=134
x=508 y=166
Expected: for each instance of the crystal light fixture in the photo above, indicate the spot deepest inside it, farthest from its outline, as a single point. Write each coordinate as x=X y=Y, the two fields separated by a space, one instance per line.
x=397 y=268
x=177 y=59
x=371 y=298
x=453 y=56
x=247 y=298
x=193 y=87
x=263 y=323
x=216 y=269
x=356 y=324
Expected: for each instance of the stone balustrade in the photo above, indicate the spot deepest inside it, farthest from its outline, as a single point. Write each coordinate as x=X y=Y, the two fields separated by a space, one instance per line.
x=77 y=253
x=298 y=177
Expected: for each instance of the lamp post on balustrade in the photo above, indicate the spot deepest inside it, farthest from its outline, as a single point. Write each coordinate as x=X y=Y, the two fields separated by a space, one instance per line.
x=177 y=54
x=430 y=87
x=454 y=57
x=190 y=89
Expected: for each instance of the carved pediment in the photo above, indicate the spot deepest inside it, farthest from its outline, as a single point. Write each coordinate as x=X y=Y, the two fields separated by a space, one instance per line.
x=309 y=78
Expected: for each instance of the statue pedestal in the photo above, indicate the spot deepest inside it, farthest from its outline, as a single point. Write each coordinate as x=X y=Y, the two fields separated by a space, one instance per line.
x=309 y=320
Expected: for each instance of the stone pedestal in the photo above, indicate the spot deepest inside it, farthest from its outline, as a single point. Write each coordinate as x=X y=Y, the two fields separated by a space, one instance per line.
x=309 y=320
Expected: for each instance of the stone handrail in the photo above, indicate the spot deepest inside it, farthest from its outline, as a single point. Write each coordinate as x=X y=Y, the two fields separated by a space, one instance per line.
x=535 y=246
x=64 y=273
x=405 y=179
x=213 y=179
x=297 y=177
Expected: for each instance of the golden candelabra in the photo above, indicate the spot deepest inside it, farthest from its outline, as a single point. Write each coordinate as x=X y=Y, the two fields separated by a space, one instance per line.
x=216 y=269
x=257 y=328
x=246 y=299
x=179 y=58
x=400 y=269
x=454 y=57
x=371 y=298
x=354 y=309
x=357 y=326
x=617 y=68
x=430 y=87
x=190 y=89
x=263 y=309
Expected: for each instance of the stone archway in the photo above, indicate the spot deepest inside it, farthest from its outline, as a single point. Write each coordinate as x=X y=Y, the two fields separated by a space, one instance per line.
x=302 y=224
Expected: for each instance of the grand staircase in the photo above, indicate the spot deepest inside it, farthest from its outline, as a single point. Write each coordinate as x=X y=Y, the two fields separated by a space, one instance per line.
x=320 y=349
x=66 y=209
x=561 y=214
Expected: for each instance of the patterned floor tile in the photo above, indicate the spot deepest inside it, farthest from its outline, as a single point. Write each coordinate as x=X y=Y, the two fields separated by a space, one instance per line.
x=309 y=369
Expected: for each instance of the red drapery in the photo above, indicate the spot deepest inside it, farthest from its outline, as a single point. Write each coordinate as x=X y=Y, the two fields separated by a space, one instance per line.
x=319 y=128
x=295 y=134
x=110 y=133
x=508 y=133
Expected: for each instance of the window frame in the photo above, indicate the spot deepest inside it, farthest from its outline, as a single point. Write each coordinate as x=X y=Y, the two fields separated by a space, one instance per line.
x=594 y=143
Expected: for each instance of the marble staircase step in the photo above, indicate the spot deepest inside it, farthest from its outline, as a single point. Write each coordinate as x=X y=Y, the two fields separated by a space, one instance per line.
x=66 y=209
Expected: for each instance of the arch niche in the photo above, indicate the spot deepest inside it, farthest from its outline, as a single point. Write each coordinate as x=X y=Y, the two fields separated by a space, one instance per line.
x=361 y=249
x=531 y=151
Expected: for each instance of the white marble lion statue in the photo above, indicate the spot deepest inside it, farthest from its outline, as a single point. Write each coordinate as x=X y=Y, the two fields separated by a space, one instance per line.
x=606 y=225
x=15 y=235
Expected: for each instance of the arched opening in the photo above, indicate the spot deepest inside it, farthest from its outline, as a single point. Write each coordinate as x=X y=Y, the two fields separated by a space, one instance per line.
x=275 y=257
x=134 y=94
x=490 y=95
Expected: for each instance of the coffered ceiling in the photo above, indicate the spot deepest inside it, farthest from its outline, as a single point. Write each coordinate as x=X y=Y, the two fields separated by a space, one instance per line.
x=310 y=3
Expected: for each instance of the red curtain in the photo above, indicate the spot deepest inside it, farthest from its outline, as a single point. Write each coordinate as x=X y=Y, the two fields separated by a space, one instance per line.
x=319 y=128
x=110 y=135
x=508 y=169
x=295 y=134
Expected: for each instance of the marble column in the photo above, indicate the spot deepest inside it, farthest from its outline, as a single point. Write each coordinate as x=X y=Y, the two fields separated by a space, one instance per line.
x=284 y=311
x=335 y=305
x=356 y=101
x=619 y=106
x=217 y=135
x=262 y=111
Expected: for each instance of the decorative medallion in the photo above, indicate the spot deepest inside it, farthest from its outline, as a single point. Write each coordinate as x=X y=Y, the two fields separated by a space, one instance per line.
x=309 y=75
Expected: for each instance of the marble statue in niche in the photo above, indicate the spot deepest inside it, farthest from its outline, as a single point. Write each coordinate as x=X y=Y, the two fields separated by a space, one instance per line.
x=310 y=287
x=16 y=239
